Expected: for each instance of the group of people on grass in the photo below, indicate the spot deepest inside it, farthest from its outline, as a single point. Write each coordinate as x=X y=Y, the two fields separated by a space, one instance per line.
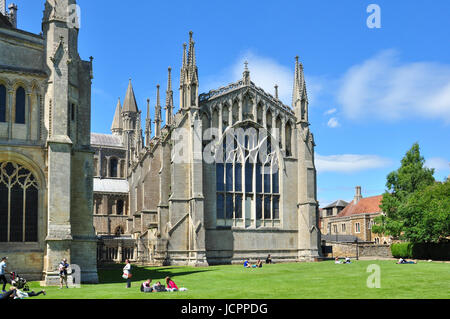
x=147 y=285
x=258 y=264
x=346 y=261
x=170 y=286
x=13 y=292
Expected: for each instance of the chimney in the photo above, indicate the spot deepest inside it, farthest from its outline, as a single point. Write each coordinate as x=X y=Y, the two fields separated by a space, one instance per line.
x=13 y=14
x=358 y=195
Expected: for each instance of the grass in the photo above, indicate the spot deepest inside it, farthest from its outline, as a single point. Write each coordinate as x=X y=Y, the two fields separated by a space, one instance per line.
x=323 y=280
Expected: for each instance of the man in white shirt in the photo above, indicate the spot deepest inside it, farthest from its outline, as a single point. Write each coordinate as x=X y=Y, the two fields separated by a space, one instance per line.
x=3 y=272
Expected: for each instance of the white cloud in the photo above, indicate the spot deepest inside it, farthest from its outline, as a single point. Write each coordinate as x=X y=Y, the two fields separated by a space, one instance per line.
x=333 y=122
x=438 y=163
x=349 y=163
x=329 y=112
x=385 y=88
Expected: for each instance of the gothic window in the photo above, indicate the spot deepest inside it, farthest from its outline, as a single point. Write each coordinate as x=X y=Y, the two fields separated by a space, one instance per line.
x=269 y=121
x=259 y=114
x=247 y=169
x=235 y=112
x=72 y=112
x=225 y=117
x=18 y=204
x=119 y=207
x=95 y=166
x=119 y=231
x=288 y=137
x=20 y=105
x=2 y=103
x=215 y=119
x=113 y=167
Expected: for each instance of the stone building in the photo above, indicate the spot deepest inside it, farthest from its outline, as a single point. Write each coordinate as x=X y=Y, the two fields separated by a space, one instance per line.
x=229 y=176
x=46 y=161
x=356 y=220
x=328 y=212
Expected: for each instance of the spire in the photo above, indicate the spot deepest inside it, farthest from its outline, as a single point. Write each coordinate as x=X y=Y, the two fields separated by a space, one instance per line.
x=299 y=95
x=129 y=104
x=189 y=77
x=192 y=59
x=246 y=74
x=117 y=125
x=169 y=98
x=148 y=125
x=157 y=113
x=183 y=67
x=276 y=91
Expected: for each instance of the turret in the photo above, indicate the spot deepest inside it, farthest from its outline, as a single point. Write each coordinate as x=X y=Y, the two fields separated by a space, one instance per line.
x=158 y=113
x=299 y=95
x=189 y=77
x=169 y=99
x=13 y=14
x=117 y=125
x=148 y=126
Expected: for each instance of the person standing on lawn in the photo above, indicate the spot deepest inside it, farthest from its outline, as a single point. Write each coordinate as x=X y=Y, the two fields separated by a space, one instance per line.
x=63 y=267
x=127 y=273
x=3 y=272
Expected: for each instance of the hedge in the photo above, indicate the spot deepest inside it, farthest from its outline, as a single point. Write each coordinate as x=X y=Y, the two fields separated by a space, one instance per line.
x=434 y=251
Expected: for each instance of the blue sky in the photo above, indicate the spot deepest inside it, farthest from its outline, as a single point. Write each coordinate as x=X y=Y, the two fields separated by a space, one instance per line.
x=373 y=92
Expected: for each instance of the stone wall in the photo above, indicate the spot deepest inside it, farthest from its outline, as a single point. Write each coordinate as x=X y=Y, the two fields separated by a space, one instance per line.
x=361 y=250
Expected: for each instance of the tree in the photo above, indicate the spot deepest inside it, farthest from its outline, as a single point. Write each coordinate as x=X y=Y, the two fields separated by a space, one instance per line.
x=428 y=214
x=411 y=177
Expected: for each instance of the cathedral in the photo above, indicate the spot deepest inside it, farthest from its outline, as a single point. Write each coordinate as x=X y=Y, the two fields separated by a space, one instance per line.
x=229 y=176
x=225 y=175
x=46 y=161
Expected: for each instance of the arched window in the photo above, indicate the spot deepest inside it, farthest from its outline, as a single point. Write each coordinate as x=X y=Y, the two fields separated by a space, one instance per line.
x=113 y=165
x=20 y=106
x=18 y=204
x=2 y=103
x=119 y=231
x=247 y=170
x=288 y=137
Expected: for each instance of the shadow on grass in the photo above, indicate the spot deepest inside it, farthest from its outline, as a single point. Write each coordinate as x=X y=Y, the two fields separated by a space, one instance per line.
x=112 y=274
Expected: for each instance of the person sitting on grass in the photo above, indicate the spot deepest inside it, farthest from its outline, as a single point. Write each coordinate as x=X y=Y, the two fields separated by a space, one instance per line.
x=337 y=261
x=158 y=287
x=17 y=294
x=146 y=286
x=246 y=263
x=171 y=286
x=258 y=263
x=404 y=261
x=22 y=295
x=269 y=259
x=347 y=260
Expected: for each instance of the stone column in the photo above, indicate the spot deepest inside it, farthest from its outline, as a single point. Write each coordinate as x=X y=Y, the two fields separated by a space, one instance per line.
x=265 y=116
x=108 y=166
x=220 y=121
x=240 y=109
x=283 y=133
x=119 y=252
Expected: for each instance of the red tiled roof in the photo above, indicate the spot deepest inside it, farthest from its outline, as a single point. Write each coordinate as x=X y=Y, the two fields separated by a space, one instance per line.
x=364 y=206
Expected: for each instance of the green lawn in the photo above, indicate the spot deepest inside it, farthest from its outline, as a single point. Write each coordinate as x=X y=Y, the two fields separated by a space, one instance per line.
x=323 y=280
